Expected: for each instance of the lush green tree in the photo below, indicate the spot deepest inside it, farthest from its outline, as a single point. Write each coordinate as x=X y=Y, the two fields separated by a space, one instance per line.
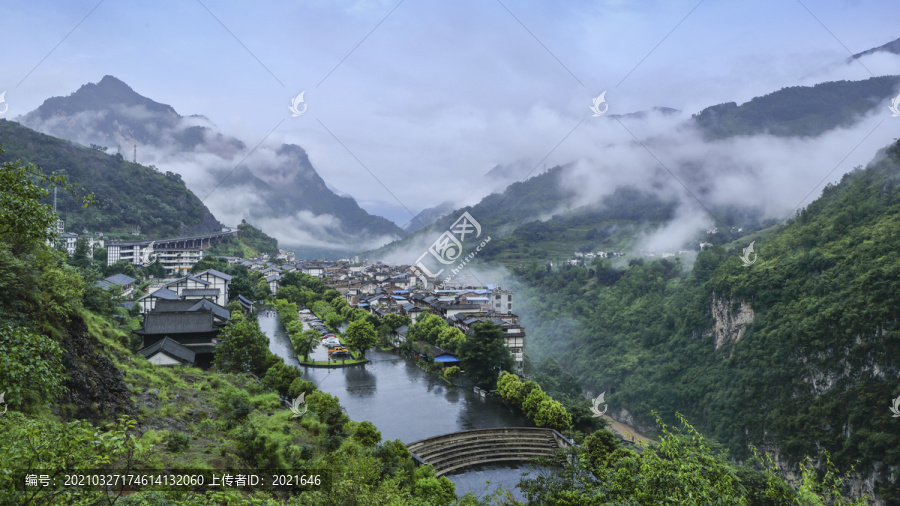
x=99 y=256
x=262 y=287
x=289 y=293
x=210 y=262
x=241 y=286
x=552 y=414
x=508 y=386
x=395 y=320
x=155 y=270
x=484 y=354
x=360 y=335
x=280 y=376
x=54 y=447
x=532 y=404
x=451 y=338
x=31 y=369
x=81 y=258
x=366 y=434
x=24 y=220
x=427 y=328
x=334 y=320
x=122 y=267
x=305 y=342
x=243 y=347
x=301 y=386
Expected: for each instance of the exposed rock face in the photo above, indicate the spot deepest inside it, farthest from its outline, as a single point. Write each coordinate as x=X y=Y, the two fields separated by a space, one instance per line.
x=95 y=385
x=731 y=319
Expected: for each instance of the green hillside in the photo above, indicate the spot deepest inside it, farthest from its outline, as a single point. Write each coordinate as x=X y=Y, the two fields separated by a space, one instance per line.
x=798 y=352
x=77 y=397
x=799 y=110
x=127 y=194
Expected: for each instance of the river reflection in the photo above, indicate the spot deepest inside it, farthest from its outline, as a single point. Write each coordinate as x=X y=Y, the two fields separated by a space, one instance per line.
x=406 y=403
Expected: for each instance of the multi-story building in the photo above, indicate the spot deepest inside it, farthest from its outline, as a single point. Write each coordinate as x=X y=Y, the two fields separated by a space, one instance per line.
x=501 y=301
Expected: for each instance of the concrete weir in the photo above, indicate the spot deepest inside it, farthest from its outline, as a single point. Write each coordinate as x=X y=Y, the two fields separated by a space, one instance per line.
x=451 y=452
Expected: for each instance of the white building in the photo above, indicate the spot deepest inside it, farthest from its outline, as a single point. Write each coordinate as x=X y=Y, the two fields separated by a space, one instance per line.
x=501 y=301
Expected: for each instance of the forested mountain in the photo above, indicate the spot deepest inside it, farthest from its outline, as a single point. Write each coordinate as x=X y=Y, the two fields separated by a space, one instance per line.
x=127 y=194
x=799 y=110
x=544 y=202
x=796 y=353
x=275 y=187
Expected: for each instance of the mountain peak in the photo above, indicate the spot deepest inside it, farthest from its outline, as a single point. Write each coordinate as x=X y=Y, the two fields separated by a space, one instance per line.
x=110 y=91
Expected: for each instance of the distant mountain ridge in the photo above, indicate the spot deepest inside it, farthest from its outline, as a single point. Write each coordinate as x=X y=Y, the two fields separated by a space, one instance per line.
x=790 y=112
x=798 y=110
x=275 y=187
x=891 y=47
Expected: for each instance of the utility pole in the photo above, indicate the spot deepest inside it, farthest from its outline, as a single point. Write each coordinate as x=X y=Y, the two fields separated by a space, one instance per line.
x=135 y=154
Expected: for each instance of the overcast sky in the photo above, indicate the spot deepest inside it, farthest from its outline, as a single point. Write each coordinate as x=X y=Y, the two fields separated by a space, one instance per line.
x=410 y=103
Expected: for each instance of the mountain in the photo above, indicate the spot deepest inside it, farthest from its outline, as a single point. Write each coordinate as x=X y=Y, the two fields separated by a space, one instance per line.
x=665 y=111
x=571 y=219
x=128 y=194
x=890 y=47
x=799 y=110
x=428 y=216
x=797 y=353
x=275 y=187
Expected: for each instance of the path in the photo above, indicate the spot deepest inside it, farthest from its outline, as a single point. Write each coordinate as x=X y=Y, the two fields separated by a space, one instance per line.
x=626 y=431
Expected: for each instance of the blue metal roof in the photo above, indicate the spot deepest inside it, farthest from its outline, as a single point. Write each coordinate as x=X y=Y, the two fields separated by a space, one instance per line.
x=447 y=359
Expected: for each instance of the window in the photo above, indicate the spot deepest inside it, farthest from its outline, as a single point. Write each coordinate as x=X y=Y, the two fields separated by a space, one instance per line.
x=509 y=298
x=509 y=306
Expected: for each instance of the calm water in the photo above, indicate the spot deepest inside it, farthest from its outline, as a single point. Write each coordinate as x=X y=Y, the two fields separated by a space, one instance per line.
x=407 y=403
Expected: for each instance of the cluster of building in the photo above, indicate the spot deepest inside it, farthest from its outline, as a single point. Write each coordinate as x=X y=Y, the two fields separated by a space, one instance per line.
x=182 y=317
x=383 y=289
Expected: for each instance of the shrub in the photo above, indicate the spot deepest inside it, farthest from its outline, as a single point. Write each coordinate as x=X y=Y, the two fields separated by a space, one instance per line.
x=280 y=376
x=367 y=434
x=301 y=386
x=177 y=442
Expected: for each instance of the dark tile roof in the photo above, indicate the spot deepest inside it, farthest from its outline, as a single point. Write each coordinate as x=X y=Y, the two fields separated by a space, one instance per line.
x=201 y=292
x=218 y=274
x=216 y=309
x=189 y=277
x=178 y=322
x=170 y=347
x=162 y=293
x=120 y=279
x=167 y=306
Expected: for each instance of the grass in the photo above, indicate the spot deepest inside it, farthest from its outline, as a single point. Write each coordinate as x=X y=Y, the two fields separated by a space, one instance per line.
x=336 y=362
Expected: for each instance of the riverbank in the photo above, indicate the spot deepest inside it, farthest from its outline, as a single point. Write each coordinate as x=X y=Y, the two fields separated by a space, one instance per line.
x=627 y=432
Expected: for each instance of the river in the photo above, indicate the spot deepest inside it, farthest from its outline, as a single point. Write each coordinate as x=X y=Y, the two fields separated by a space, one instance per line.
x=406 y=403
